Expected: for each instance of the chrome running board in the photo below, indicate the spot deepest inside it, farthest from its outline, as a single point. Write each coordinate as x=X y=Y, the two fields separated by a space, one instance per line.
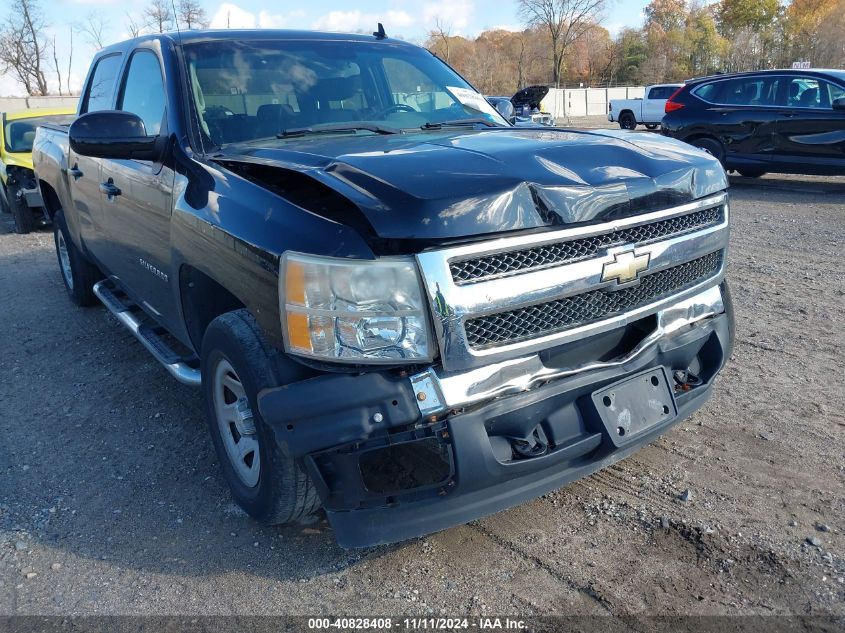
x=147 y=332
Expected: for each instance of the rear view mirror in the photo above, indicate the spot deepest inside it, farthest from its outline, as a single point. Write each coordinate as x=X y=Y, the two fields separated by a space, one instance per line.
x=839 y=104
x=112 y=134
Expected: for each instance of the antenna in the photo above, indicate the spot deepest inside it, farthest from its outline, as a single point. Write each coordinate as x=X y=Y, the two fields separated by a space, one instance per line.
x=380 y=34
x=176 y=21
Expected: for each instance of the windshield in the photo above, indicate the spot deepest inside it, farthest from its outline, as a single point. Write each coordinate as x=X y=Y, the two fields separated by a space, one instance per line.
x=247 y=90
x=20 y=133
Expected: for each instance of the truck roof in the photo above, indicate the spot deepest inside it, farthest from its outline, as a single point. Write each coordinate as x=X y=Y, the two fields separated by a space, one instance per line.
x=211 y=35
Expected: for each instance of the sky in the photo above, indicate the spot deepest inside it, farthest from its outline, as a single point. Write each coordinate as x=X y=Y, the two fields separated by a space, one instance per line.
x=410 y=19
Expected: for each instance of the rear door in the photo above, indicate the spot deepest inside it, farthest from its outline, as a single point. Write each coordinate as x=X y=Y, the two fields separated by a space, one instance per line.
x=138 y=195
x=810 y=134
x=654 y=104
x=743 y=113
x=83 y=173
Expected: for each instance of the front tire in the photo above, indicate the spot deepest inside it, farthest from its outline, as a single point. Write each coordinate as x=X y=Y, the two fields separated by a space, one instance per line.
x=4 y=201
x=751 y=173
x=78 y=274
x=237 y=363
x=24 y=218
x=627 y=121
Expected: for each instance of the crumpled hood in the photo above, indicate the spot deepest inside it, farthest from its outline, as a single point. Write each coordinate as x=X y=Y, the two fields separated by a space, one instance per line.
x=444 y=185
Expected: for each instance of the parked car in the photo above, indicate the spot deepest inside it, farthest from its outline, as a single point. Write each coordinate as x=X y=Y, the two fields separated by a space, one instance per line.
x=646 y=111
x=790 y=121
x=526 y=105
x=18 y=190
x=414 y=316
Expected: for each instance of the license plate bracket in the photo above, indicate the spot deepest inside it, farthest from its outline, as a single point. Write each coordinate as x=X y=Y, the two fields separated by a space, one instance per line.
x=634 y=405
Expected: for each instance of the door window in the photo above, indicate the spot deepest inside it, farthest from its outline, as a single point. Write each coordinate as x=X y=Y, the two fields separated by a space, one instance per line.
x=143 y=91
x=101 y=87
x=749 y=91
x=661 y=92
x=809 y=92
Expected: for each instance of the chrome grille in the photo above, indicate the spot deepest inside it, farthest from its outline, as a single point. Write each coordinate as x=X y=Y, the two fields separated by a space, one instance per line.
x=566 y=252
x=554 y=316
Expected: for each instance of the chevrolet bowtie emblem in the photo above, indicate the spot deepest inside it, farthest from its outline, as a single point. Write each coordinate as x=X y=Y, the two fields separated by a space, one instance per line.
x=625 y=267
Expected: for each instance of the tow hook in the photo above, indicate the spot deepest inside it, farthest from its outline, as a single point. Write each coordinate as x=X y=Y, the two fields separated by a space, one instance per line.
x=686 y=380
x=529 y=447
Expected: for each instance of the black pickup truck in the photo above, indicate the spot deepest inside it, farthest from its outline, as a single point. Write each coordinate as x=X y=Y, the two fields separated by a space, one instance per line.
x=398 y=306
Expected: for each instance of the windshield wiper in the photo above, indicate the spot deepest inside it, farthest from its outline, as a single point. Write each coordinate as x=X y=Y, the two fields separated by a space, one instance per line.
x=436 y=125
x=349 y=128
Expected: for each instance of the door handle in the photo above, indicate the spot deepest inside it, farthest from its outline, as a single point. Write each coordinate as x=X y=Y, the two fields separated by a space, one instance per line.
x=109 y=188
x=76 y=172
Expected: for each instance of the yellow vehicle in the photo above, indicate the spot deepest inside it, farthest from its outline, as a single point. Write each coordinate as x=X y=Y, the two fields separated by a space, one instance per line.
x=19 y=193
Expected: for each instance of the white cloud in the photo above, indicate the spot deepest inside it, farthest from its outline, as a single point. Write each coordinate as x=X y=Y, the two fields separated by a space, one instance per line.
x=230 y=15
x=456 y=14
x=349 y=21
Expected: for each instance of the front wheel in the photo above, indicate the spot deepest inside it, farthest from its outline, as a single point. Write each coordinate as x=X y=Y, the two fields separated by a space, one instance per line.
x=627 y=121
x=237 y=363
x=751 y=173
x=24 y=218
x=4 y=201
x=78 y=274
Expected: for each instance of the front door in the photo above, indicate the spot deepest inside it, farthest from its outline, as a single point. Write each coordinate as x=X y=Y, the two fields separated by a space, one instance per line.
x=810 y=133
x=137 y=196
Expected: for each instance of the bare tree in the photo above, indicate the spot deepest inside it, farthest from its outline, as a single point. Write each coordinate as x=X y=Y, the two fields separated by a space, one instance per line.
x=440 y=35
x=133 y=26
x=191 y=15
x=56 y=62
x=22 y=46
x=92 y=29
x=159 y=15
x=69 y=59
x=566 y=22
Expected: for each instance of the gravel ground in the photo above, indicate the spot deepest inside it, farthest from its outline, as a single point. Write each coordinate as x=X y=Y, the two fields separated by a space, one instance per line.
x=111 y=501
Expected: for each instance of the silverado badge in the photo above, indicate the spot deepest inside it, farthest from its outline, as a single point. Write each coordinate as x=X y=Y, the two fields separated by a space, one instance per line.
x=625 y=267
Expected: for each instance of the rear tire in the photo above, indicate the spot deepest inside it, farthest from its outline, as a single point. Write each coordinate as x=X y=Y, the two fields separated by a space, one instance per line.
x=24 y=218
x=651 y=126
x=751 y=173
x=627 y=121
x=712 y=147
x=78 y=274
x=237 y=363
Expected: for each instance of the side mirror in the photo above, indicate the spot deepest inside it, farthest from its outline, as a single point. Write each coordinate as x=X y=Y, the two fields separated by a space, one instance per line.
x=839 y=104
x=505 y=108
x=112 y=134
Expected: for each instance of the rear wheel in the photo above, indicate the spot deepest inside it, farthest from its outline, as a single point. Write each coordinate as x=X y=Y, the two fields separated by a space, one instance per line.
x=78 y=274
x=651 y=126
x=627 y=121
x=751 y=173
x=712 y=147
x=237 y=363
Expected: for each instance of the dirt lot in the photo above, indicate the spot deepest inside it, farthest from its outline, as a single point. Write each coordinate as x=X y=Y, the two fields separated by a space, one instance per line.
x=111 y=501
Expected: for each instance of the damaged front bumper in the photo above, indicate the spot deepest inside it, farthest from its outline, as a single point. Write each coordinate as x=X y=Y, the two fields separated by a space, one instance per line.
x=395 y=456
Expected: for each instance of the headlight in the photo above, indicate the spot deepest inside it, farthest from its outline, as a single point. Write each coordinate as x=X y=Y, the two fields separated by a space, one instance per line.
x=354 y=311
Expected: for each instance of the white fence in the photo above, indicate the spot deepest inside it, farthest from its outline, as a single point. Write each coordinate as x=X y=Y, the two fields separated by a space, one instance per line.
x=12 y=104
x=560 y=102
x=572 y=102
